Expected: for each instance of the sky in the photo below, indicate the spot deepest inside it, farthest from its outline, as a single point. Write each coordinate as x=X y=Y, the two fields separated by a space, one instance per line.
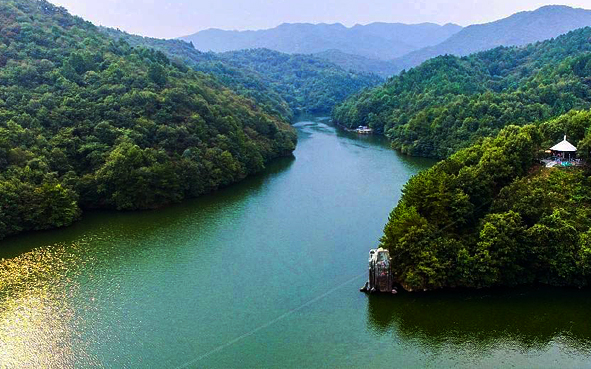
x=175 y=18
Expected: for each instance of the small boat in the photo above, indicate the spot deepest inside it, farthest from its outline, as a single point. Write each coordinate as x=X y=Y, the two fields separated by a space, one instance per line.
x=364 y=130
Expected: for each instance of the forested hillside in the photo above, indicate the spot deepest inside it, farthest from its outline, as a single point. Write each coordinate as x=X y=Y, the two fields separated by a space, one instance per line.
x=491 y=216
x=282 y=84
x=449 y=103
x=307 y=83
x=383 y=68
x=88 y=122
x=244 y=82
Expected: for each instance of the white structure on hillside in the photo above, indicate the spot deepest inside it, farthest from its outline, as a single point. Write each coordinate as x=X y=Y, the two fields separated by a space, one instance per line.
x=563 y=154
x=564 y=147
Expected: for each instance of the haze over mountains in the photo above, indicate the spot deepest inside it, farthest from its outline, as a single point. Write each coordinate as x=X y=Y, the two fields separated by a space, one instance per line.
x=358 y=63
x=386 y=49
x=517 y=30
x=377 y=40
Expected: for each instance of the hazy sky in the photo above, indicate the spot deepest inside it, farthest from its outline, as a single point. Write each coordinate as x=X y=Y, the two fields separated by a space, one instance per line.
x=174 y=18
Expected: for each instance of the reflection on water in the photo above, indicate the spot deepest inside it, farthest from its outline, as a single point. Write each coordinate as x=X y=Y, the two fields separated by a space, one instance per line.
x=38 y=327
x=159 y=289
x=97 y=225
x=528 y=319
x=47 y=320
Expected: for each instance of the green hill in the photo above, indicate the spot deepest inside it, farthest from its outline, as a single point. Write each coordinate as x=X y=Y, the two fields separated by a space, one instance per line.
x=89 y=122
x=283 y=84
x=242 y=81
x=308 y=84
x=382 y=68
x=448 y=103
x=490 y=215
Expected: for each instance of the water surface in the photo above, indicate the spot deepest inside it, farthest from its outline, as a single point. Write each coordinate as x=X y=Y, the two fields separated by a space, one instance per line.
x=266 y=274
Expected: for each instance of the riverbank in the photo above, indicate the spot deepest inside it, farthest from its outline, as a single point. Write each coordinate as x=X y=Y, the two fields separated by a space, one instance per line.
x=117 y=287
x=53 y=211
x=271 y=257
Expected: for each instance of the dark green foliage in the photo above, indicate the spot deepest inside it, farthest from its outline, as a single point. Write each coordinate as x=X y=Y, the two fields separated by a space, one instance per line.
x=307 y=83
x=282 y=84
x=88 y=122
x=244 y=82
x=491 y=216
x=449 y=103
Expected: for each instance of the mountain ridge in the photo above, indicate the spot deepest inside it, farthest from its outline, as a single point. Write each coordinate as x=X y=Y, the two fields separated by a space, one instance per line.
x=378 y=40
x=449 y=102
x=389 y=48
x=358 y=63
x=519 y=29
x=283 y=84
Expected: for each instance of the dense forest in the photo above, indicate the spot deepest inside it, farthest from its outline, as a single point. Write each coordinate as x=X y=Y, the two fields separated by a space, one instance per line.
x=448 y=103
x=491 y=215
x=283 y=84
x=90 y=122
x=308 y=84
x=243 y=82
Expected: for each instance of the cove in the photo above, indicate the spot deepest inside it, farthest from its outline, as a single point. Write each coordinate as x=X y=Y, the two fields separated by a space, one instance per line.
x=265 y=274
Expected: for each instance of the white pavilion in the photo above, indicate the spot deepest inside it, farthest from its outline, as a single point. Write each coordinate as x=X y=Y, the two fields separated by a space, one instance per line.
x=563 y=154
x=564 y=148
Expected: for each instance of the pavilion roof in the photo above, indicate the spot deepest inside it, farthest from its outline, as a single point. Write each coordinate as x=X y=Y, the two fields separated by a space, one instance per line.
x=564 y=146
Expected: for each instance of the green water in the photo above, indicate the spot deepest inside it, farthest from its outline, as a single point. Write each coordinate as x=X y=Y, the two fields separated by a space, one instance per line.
x=266 y=274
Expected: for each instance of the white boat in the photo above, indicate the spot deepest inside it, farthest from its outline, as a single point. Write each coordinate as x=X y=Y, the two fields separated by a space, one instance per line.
x=364 y=130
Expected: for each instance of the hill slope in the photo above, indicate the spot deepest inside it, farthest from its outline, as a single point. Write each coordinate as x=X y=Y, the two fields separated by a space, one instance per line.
x=307 y=83
x=490 y=216
x=242 y=81
x=377 y=40
x=448 y=102
x=87 y=122
x=382 y=68
x=517 y=30
x=302 y=83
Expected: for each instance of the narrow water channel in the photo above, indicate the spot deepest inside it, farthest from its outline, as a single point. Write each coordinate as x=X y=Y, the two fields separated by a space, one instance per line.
x=265 y=274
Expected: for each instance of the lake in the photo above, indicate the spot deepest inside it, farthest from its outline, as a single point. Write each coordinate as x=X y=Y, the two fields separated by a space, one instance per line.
x=266 y=274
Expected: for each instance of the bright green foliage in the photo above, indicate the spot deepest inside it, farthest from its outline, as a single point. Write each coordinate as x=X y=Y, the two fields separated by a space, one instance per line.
x=448 y=103
x=490 y=215
x=88 y=122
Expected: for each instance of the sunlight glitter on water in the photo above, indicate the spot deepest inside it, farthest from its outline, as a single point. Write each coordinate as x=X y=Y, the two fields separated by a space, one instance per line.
x=38 y=327
x=161 y=289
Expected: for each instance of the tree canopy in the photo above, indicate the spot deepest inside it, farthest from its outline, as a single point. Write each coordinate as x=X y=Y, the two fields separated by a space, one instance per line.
x=491 y=215
x=448 y=103
x=90 y=122
x=285 y=85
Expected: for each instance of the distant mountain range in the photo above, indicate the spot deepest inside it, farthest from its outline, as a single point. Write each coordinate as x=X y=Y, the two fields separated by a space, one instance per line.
x=517 y=30
x=387 y=48
x=382 y=41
